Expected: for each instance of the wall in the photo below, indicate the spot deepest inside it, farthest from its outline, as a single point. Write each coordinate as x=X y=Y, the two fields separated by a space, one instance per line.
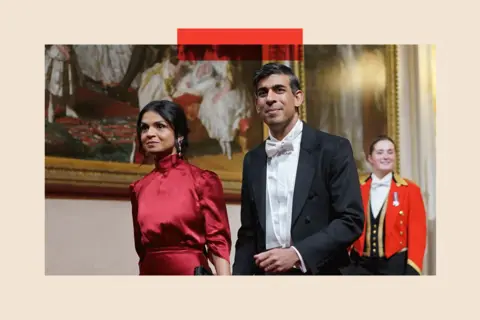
x=418 y=132
x=95 y=237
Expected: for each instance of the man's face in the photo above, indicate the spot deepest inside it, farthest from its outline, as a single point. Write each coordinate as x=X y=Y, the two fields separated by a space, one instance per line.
x=275 y=102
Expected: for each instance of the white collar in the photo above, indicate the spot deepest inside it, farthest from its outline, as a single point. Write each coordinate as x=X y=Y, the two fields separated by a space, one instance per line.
x=387 y=178
x=296 y=130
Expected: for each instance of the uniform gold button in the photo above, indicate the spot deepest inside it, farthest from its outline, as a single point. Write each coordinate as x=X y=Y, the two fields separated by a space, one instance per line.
x=374 y=226
x=374 y=244
x=374 y=231
x=401 y=242
x=401 y=222
x=374 y=250
x=401 y=233
x=401 y=212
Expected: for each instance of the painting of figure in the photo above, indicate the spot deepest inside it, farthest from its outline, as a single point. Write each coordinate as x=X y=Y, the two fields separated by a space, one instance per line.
x=351 y=92
x=93 y=94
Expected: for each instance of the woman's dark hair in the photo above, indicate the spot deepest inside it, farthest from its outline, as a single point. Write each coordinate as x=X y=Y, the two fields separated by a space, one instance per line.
x=174 y=116
x=378 y=139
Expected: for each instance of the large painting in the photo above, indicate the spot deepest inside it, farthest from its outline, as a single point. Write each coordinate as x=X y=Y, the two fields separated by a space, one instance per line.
x=93 y=94
x=351 y=91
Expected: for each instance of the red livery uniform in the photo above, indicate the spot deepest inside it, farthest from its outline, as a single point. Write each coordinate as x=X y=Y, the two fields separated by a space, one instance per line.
x=393 y=242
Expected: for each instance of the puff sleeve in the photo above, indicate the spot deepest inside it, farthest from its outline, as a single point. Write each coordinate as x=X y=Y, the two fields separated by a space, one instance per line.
x=214 y=209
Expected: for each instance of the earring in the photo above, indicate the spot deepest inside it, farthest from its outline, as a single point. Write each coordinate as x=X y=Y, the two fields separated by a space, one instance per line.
x=178 y=143
x=179 y=147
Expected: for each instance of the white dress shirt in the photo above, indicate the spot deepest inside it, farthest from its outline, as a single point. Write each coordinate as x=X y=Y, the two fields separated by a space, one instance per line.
x=379 y=192
x=281 y=174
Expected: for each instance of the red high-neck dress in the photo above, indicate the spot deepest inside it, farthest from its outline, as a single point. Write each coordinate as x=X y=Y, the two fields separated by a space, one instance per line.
x=178 y=210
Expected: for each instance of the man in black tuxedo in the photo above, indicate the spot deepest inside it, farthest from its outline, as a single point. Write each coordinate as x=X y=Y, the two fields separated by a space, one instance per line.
x=301 y=203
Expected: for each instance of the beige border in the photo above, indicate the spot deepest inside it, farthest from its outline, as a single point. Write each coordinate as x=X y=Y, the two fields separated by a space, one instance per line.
x=27 y=26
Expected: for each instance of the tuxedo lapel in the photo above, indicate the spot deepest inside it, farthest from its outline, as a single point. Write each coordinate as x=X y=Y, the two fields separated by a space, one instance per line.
x=305 y=171
x=259 y=183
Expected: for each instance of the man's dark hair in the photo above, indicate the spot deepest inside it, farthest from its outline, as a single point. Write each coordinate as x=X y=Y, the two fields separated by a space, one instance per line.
x=276 y=68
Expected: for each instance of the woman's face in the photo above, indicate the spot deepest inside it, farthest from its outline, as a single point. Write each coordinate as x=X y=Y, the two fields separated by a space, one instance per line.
x=382 y=158
x=157 y=136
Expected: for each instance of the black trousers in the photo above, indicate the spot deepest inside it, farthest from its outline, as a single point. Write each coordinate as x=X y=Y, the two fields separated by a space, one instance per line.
x=395 y=265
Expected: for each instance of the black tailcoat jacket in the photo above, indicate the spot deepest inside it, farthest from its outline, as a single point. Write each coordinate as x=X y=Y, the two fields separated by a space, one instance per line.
x=327 y=213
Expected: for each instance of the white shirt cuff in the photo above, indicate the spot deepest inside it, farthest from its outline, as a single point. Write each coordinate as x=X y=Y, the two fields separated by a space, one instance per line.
x=302 y=264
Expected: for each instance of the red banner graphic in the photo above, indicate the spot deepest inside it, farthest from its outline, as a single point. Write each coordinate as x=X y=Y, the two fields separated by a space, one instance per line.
x=240 y=44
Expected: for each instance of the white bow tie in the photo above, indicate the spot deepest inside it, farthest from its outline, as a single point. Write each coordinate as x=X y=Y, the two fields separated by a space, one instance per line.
x=273 y=148
x=377 y=184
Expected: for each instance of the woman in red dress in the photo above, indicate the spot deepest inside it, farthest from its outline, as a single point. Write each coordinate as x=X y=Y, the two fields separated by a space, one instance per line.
x=179 y=213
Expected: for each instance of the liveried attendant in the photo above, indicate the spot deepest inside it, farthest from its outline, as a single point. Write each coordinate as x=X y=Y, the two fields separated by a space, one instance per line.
x=394 y=237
